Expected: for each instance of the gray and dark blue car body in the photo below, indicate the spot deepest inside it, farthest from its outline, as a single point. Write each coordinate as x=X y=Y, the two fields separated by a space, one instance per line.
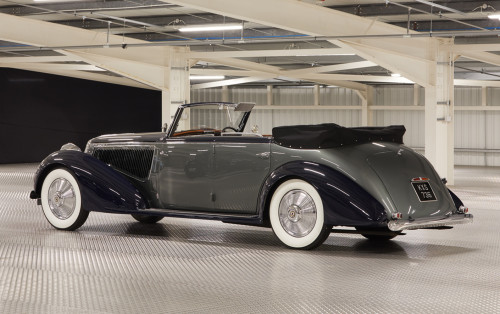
x=365 y=178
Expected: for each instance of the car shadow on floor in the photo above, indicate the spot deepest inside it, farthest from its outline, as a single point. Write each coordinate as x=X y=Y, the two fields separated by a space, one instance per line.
x=264 y=239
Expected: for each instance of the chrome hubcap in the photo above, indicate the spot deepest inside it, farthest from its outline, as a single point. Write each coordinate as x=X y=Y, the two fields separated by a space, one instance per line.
x=61 y=197
x=297 y=213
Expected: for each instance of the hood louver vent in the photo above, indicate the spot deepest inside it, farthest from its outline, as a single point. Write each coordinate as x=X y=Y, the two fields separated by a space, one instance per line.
x=131 y=161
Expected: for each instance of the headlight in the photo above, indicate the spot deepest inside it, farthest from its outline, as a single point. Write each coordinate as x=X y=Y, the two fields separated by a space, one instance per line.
x=70 y=146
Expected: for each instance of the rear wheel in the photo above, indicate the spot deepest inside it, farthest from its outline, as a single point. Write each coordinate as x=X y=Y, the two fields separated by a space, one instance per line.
x=146 y=219
x=62 y=200
x=297 y=216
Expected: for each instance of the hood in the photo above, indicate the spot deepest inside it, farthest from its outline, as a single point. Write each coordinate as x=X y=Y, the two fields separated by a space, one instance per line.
x=129 y=137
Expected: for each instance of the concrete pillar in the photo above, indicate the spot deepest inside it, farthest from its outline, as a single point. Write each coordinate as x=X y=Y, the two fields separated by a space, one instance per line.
x=176 y=90
x=269 y=95
x=225 y=93
x=367 y=100
x=439 y=115
x=316 y=95
x=484 y=95
x=416 y=94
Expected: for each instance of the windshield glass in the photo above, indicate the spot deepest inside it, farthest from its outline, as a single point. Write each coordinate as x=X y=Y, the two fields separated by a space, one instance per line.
x=209 y=119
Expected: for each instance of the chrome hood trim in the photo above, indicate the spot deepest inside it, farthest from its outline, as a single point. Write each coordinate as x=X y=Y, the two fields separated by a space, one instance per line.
x=455 y=219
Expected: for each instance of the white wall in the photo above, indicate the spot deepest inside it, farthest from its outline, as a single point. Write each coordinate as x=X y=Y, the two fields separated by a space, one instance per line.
x=477 y=132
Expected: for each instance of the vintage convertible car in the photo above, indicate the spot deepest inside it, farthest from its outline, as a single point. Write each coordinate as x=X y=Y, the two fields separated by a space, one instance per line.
x=301 y=181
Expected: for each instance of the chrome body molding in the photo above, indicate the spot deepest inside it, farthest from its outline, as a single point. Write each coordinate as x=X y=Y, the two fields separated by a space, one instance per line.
x=455 y=219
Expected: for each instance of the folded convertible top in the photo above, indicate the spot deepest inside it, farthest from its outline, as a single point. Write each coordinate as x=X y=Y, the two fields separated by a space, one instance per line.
x=330 y=135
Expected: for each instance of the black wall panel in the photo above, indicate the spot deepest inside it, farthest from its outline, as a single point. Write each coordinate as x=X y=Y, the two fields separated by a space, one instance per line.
x=41 y=112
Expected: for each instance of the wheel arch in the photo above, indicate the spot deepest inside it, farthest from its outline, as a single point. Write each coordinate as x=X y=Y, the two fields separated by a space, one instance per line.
x=345 y=201
x=266 y=199
x=102 y=187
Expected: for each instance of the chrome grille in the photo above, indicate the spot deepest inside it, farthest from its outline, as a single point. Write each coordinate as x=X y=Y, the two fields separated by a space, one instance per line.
x=132 y=161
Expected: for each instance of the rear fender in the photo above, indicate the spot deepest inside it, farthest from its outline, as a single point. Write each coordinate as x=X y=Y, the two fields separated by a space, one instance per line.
x=345 y=202
x=102 y=187
x=456 y=200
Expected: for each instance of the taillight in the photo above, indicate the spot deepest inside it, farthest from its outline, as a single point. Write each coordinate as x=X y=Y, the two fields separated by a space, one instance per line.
x=397 y=216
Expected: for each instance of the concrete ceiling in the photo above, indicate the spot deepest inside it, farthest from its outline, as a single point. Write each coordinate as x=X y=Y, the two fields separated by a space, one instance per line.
x=282 y=42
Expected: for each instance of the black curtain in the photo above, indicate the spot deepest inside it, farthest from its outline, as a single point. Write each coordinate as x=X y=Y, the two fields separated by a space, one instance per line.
x=41 y=112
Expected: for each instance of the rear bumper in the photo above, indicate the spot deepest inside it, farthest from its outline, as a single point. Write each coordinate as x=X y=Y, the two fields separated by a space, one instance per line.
x=456 y=219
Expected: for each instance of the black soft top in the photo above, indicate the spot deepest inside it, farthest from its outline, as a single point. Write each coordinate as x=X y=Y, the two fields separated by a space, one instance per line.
x=331 y=135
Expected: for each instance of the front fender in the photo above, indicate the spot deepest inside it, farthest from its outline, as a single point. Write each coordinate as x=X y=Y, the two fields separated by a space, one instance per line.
x=345 y=202
x=102 y=187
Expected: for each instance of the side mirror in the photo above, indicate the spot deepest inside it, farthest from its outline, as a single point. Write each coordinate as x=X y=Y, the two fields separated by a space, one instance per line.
x=164 y=128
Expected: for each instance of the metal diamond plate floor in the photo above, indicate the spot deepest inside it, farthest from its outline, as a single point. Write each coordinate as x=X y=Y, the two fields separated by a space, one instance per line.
x=116 y=265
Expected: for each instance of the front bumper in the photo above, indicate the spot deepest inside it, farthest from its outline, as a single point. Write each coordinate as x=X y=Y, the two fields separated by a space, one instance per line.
x=456 y=219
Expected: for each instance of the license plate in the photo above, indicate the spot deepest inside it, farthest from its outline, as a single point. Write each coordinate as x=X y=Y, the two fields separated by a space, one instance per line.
x=424 y=191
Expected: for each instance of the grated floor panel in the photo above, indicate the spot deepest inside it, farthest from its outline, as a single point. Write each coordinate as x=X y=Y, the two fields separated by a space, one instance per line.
x=116 y=265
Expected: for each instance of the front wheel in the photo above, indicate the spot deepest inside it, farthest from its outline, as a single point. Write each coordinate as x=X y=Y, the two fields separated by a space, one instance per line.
x=297 y=216
x=62 y=200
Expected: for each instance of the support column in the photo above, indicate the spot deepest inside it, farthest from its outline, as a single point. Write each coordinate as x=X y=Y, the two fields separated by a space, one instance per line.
x=269 y=95
x=416 y=94
x=439 y=113
x=367 y=100
x=225 y=93
x=316 y=95
x=176 y=90
x=484 y=95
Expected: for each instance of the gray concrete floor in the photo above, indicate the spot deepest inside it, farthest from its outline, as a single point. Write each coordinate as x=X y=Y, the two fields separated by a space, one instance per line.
x=116 y=265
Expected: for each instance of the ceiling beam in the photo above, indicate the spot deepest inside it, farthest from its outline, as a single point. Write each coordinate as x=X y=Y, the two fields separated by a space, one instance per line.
x=485 y=83
x=268 y=69
x=270 y=53
x=485 y=57
x=55 y=67
x=225 y=72
x=332 y=68
x=474 y=48
x=45 y=34
x=92 y=76
x=237 y=81
x=243 y=64
x=357 y=78
x=300 y=17
x=47 y=59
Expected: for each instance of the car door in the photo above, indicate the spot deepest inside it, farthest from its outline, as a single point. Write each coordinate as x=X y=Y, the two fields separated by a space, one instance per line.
x=241 y=165
x=185 y=177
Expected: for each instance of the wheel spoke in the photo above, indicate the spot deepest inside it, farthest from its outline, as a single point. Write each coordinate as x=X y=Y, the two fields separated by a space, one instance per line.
x=61 y=197
x=297 y=213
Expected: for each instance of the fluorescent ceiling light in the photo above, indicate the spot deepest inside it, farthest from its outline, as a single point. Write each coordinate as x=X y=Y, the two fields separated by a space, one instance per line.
x=396 y=75
x=207 y=77
x=432 y=4
x=209 y=28
x=494 y=16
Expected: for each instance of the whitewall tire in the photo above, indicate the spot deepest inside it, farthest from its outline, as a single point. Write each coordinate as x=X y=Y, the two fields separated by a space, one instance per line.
x=62 y=200
x=297 y=216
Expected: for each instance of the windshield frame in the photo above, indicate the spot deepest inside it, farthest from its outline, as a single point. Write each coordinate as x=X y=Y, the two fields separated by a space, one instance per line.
x=178 y=114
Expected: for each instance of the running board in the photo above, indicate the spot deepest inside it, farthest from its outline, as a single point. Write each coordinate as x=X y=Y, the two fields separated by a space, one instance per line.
x=246 y=219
